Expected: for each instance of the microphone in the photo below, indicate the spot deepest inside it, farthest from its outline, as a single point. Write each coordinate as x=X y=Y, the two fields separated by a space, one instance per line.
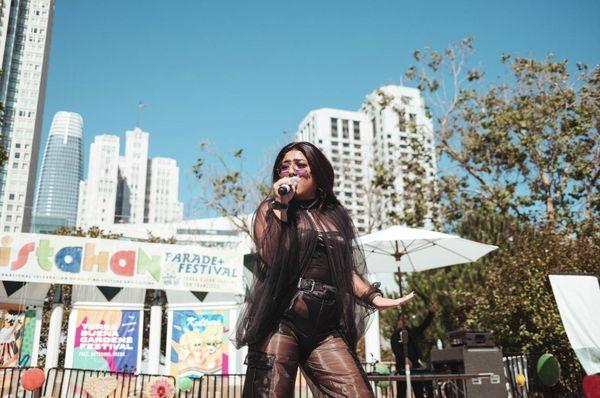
x=284 y=189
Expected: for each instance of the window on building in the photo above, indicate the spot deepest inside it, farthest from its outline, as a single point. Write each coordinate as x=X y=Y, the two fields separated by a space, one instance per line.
x=374 y=126
x=345 y=131
x=17 y=155
x=15 y=165
x=11 y=196
x=412 y=119
x=356 y=130
x=334 y=127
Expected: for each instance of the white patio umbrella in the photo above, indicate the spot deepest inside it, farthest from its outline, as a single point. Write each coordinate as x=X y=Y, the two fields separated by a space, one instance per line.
x=401 y=249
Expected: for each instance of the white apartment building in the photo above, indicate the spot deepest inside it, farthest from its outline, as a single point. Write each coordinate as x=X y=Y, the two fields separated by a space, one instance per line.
x=345 y=138
x=397 y=115
x=379 y=132
x=98 y=195
x=162 y=203
x=25 y=32
x=129 y=189
x=133 y=175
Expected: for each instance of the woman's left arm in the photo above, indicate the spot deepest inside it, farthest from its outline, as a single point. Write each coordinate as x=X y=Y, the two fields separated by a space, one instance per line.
x=371 y=294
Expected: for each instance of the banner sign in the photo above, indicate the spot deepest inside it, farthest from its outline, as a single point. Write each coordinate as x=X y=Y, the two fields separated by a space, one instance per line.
x=17 y=334
x=119 y=263
x=577 y=298
x=198 y=343
x=107 y=339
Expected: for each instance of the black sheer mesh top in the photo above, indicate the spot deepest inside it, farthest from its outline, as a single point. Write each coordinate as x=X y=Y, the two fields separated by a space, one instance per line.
x=316 y=242
x=318 y=267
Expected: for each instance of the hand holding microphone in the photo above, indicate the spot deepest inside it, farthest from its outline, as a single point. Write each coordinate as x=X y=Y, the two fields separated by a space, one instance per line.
x=285 y=189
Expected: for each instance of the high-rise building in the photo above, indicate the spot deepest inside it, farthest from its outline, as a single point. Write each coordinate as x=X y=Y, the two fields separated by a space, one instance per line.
x=345 y=138
x=397 y=115
x=132 y=177
x=57 y=192
x=128 y=189
x=98 y=195
x=162 y=203
x=25 y=32
x=379 y=133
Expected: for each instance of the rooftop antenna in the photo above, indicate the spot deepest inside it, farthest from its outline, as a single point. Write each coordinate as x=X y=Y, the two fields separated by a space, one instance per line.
x=140 y=106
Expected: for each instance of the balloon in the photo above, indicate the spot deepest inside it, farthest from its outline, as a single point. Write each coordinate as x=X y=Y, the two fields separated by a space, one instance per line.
x=382 y=369
x=184 y=383
x=548 y=370
x=33 y=379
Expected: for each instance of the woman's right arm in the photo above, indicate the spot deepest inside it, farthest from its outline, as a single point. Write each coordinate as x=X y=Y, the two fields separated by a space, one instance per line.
x=269 y=223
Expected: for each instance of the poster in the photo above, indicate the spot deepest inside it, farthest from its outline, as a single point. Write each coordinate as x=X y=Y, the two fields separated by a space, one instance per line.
x=107 y=339
x=17 y=334
x=199 y=342
x=119 y=263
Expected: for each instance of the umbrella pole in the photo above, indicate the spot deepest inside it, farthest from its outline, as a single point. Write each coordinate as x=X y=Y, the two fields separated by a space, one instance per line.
x=405 y=341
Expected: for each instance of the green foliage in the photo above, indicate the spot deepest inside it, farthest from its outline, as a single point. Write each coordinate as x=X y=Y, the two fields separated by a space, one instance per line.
x=528 y=146
x=521 y=172
x=517 y=301
x=92 y=232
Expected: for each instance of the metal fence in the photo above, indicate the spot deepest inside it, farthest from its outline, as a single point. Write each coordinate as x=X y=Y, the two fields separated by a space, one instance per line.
x=10 y=383
x=516 y=371
x=74 y=383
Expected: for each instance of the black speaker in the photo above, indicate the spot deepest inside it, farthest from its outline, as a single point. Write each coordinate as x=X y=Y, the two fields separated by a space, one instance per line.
x=472 y=360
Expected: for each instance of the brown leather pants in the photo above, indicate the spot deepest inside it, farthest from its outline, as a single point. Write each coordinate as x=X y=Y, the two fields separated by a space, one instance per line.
x=325 y=358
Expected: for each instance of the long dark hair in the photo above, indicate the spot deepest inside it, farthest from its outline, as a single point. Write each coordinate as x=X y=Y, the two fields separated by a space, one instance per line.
x=321 y=168
x=285 y=248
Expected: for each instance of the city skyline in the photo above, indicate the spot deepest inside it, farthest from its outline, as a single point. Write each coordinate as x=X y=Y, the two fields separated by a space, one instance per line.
x=238 y=76
x=128 y=188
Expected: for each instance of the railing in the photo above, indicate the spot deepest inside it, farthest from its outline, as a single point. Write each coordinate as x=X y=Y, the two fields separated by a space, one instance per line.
x=73 y=383
x=10 y=383
x=515 y=367
x=438 y=385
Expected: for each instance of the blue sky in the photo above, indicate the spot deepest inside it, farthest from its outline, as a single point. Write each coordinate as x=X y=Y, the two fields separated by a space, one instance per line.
x=238 y=74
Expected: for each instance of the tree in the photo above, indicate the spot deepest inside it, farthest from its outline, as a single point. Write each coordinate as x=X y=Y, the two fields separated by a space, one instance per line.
x=522 y=173
x=517 y=302
x=402 y=188
x=226 y=189
x=526 y=146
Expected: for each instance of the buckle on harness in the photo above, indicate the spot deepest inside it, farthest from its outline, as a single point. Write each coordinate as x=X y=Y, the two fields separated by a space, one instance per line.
x=312 y=284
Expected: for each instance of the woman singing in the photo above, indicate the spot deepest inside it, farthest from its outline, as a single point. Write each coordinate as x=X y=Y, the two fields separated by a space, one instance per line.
x=310 y=297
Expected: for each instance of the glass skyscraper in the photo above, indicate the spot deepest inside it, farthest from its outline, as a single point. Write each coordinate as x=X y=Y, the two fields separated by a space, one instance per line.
x=25 y=32
x=57 y=191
